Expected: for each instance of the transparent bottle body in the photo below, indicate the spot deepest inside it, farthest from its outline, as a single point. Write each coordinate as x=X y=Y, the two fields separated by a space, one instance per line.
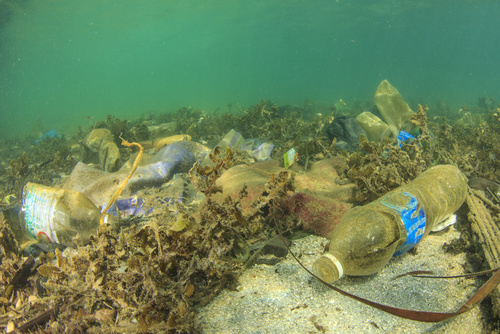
x=56 y=215
x=368 y=236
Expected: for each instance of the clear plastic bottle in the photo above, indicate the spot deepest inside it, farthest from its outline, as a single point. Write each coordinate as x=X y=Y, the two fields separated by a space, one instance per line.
x=57 y=215
x=368 y=236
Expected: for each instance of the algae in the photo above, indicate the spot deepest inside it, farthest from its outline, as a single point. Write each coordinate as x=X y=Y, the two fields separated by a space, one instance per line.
x=152 y=273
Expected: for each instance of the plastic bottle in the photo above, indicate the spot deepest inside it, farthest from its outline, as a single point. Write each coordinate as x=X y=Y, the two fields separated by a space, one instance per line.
x=368 y=236
x=56 y=215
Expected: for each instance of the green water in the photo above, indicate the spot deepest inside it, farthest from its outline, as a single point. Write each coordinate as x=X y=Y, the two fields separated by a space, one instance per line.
x=63 y=61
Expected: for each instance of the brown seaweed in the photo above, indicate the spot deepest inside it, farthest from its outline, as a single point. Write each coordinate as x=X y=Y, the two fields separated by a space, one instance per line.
x=151 y=274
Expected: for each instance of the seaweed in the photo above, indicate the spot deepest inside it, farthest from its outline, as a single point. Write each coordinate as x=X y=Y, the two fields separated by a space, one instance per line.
x=119 y=129
x=140 y=132
x=43 y=163
x=152 y=273
x=204 y=177
x=377 y=168
x=150 y=276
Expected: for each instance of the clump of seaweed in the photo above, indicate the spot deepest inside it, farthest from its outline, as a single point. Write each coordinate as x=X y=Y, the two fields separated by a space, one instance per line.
x=150 y=276
x=473 y=148
x=204 y=177
x=140 y=132
x=42 y=163
x=119 y=128
x=19 y=168
x=377 y=168
x=380 y=167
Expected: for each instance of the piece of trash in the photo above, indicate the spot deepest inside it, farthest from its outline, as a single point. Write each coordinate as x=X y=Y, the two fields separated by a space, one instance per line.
x=340 y=105
x=57 y=215
x=49 y=135
x=138 y=206
x=347 y=131
x=258 y=149
x=404 y=136
x=399 y=210
x=263 y=152
x=290 y=157
x=445 y=223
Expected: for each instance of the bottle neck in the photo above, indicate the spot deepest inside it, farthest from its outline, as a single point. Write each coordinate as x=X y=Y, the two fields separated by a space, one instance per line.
x=328 y=268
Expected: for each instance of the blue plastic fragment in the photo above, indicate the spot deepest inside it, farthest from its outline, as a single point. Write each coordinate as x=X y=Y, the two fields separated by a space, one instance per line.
x=49 y=135
x=403 y=136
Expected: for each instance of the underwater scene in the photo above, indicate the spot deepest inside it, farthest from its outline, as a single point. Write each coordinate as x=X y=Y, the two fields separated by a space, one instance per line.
x=249 y=166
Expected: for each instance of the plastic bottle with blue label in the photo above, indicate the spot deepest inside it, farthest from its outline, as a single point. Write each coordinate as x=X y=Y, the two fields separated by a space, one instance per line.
x=368 y=236
x=57 y=215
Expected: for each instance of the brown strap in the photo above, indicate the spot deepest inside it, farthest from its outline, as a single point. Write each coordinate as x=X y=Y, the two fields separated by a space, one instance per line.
x=411 y=314
x=430 y=274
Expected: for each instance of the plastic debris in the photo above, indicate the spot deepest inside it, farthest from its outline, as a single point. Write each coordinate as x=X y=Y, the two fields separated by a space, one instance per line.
x=49 y=135
x=290 y=157
x=403 y=136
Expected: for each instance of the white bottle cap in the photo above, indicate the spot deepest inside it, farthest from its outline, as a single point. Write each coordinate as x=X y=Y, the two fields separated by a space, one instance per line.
x=336 y=262
x=328 y=268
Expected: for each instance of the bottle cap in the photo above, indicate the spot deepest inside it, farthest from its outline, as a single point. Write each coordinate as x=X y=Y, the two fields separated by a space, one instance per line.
x=328 y=268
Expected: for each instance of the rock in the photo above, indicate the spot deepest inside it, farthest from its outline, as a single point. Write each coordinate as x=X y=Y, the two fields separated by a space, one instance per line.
x=322 y=178
x=276 y=247
x=319 y=215
x=392 y=106
x=253 y=175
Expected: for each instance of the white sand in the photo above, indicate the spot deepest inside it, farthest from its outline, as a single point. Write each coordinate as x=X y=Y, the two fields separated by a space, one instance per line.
x=285 y=299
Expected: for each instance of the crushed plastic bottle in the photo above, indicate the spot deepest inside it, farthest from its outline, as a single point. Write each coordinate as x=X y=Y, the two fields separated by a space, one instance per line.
x=368 y=236
x=138 y=206
x=57 y=215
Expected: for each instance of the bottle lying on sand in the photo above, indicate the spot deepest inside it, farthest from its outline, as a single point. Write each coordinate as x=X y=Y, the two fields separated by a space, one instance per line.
x=56 y=215
x=368 y=236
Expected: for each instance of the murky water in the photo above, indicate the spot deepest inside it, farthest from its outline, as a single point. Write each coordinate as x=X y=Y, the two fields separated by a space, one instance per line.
x=62 y=62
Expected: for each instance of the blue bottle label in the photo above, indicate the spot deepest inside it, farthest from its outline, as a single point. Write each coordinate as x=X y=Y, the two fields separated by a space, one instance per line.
x=413 y=218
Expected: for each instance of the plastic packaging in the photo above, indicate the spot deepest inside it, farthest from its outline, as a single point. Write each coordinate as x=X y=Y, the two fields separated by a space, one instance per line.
x=368 y=236
x=57 y=215
x=374 y=127
x=178 y=157
x=347 y=131
x=258 y=149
